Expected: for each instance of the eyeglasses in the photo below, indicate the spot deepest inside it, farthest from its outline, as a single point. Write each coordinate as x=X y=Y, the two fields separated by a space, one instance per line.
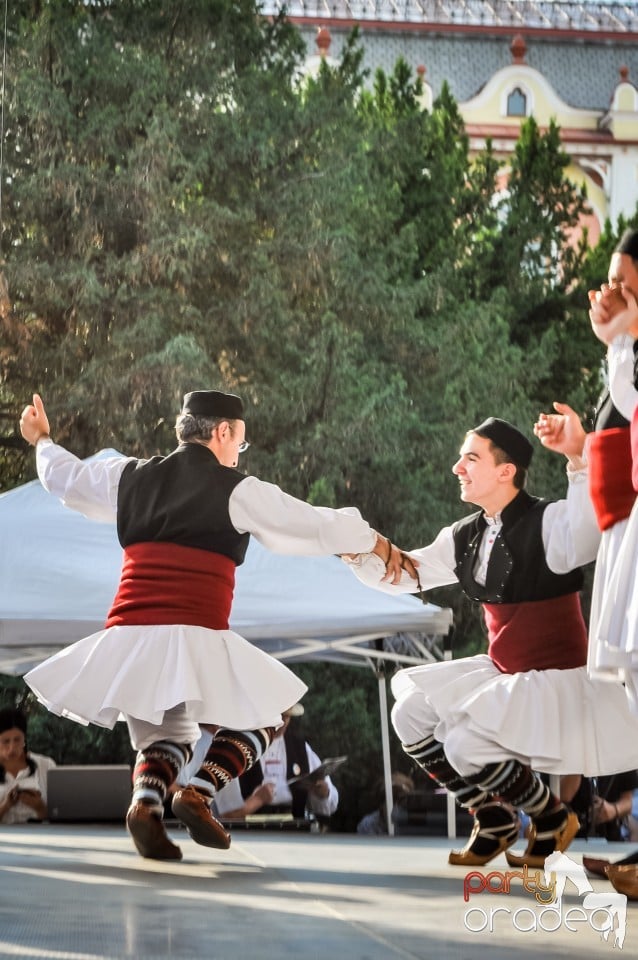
x=243 y=446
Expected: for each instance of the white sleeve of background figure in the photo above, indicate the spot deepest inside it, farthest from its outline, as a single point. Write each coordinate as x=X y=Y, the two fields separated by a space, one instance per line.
x=620 y=362
x=284 y=524
x=88 y=487
x=436 y=567
x=229 y=798
x=571 y=536
x=323 y=806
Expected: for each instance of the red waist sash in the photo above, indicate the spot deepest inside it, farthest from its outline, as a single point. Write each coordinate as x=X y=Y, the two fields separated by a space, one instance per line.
x=164 y=583
x=610 y=486
x=537 y=635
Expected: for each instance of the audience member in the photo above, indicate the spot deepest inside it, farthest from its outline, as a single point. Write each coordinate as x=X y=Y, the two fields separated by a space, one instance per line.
x=602 y=804
x=265 y=787
x=23 y=775
x=376 y=823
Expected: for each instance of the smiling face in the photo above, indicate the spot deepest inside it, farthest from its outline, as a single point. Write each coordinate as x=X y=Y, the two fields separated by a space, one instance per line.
x=483 y=481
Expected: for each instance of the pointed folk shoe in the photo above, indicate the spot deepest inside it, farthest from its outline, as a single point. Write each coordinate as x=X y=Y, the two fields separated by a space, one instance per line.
x=496 y=828
x=624 y=879
x=191 y=807
x=562 y=837
x=149 y=834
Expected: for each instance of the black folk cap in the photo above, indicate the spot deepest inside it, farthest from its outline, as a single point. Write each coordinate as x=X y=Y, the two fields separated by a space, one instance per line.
x=214 y=404
x=628 y=244
x=509 y=438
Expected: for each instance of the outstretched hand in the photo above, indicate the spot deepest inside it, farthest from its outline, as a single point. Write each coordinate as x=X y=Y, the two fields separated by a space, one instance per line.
x=562 y=431
x=613 y=311
x=34 y=422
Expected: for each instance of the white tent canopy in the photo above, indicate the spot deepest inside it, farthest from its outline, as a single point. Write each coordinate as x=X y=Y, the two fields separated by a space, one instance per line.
x=59 y=572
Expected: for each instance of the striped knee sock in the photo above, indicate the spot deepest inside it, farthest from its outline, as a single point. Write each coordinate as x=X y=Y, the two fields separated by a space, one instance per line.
x=518 y=785
x=429 y=754
x=156 y=768
x=231 y=753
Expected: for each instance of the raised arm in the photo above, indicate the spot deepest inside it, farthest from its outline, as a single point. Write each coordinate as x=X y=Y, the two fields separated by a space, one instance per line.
x=563 y=433
x=34 y=423
x=90 y=487
x=570 y=531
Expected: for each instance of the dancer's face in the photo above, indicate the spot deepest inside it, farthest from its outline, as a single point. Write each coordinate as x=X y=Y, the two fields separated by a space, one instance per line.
x=623 y=269
x=227 y=441
x=482 y=480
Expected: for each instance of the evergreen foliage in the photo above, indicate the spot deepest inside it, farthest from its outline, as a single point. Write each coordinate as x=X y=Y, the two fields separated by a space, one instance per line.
x=183 y=209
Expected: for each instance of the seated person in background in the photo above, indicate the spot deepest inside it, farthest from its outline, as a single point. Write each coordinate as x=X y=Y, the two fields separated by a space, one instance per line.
x=23 y=775
x=376 y=823
x=632 y=819
x=602 y=803
x=264 y=788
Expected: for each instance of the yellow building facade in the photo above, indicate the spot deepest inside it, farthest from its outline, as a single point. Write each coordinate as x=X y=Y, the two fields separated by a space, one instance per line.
x=505 y=60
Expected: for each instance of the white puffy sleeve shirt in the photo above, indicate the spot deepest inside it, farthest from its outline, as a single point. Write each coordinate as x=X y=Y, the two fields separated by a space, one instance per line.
x=25 y=780
x=280 y=522
x=620 y=362
x=570 y=537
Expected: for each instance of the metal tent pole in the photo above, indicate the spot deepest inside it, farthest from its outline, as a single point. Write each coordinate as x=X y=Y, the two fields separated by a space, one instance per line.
x=385 y=743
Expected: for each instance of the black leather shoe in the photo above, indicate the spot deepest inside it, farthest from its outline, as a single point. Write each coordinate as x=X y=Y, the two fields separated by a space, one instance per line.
x=149 y=834
x=191 y=807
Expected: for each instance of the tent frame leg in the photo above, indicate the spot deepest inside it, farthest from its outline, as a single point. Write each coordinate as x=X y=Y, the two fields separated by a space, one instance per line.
x=385 y=744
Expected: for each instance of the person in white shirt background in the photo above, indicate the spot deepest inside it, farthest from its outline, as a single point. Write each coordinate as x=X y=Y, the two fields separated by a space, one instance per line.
x=23 y=775
x=265 y=788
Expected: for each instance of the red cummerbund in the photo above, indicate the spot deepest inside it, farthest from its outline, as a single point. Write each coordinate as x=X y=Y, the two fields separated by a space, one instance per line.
x=537 y=635
x=610 y=486
x=164 y=583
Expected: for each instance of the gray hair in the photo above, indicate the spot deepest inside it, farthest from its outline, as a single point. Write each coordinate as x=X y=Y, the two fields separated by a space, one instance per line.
x=190 y=428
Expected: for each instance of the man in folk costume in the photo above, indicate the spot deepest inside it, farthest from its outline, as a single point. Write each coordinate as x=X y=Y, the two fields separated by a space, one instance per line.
x=166 y=659
x=613 y=318
x=482 y=726
x=613 y=634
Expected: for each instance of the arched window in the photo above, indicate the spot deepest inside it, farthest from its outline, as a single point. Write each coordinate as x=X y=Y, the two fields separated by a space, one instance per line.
x=517 y=103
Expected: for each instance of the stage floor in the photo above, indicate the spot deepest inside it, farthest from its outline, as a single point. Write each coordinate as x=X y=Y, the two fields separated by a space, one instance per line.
x=78 y=892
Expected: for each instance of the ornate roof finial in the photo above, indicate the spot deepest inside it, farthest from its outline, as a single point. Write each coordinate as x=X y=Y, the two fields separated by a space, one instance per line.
x=324 y=39
x=518 y=48
x=624 y=73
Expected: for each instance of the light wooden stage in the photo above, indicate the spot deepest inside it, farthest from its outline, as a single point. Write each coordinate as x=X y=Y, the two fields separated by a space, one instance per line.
x=77 y=892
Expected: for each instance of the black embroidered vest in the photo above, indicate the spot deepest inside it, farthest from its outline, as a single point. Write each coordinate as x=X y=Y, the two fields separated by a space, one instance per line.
x=182 y=499
x=517 y=570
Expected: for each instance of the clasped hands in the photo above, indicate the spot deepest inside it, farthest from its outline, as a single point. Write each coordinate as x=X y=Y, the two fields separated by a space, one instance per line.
x=395 y=560
x=32 y=798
